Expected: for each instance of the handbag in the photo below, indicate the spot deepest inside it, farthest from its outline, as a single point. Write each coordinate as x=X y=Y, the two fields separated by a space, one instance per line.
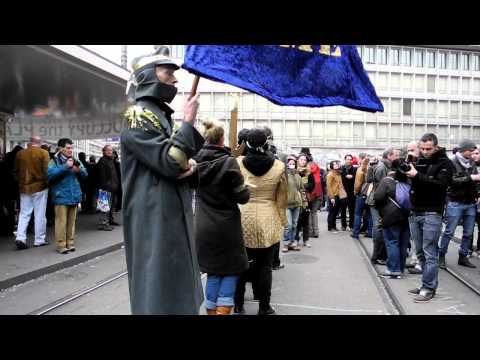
x=103 y=201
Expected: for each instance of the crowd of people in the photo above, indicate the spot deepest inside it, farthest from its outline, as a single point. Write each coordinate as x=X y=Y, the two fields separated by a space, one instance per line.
x=45 y=188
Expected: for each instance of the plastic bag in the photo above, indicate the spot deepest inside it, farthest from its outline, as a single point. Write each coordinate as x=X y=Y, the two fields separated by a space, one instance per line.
x=103 y=201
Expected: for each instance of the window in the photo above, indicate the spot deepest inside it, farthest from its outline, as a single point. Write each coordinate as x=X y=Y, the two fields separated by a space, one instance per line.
x=465 y=62
x=431 y=108
x=454 y=61
x=454 y=110
x=369 y=54
x=382 y=81
x=430 y=59
x=442 y=60
x=476 y=86
x=395 y=57
x=419 y=58
x=476 y=111
x=396 y=107
x=407 y=57
x=431 y=84
x=420 y=83
x=359 y=49
x=465 y=86
x=382 y=56
x=454 y=85
x=465 y=110
x=419 y=108
x=395 y=82
x=442 y=84
x=407 y=107
x=476 y=63
x=443 y=109
x=407 y=82
x=248 y=102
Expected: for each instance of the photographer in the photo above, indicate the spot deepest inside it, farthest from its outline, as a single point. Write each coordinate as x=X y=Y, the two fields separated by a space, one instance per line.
x=463 y=194
x=430 y=179
x=64 y=173
x=348 y=179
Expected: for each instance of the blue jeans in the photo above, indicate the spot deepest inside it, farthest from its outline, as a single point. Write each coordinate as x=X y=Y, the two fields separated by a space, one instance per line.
x=417 y=243
x=396 y=241
x=359 y=208
x=454 y=212
x=220 y=291
x=426 y=227
x=291 y=228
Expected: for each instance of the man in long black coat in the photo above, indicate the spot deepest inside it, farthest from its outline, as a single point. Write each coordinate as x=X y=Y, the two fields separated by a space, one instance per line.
x=163 y=271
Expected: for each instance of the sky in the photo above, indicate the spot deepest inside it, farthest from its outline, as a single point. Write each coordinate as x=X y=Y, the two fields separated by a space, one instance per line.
x=113 y=52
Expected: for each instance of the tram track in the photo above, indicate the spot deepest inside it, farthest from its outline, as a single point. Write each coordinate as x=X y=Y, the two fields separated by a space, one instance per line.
x=462 y=280
x=382 y=285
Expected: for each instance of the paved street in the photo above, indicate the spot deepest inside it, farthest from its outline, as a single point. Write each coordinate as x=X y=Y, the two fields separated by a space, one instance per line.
x=333 y=277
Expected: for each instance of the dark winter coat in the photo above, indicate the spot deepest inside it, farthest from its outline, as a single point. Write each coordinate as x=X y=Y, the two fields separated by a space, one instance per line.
x=462 y=188
x=218 y=227
x=349 y=184
x=429 y=186
x=163 y=273
x=390 y=213
x=107 y=174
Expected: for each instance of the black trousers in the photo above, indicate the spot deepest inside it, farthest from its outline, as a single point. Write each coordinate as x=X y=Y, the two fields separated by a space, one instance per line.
x=260 y=274
x=333 y=211
x=350 y=204
x=276 y=256
x=303 y=225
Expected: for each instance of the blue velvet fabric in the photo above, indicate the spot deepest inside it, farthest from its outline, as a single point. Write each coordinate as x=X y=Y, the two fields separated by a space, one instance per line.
x=288 y=75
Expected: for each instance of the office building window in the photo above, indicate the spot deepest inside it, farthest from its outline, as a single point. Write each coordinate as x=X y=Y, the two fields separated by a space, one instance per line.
x=359 y=49
x=419 y=58
x=454 y=61
x=407 y=57
x=442 y=60
x=395 y=57
x=465 y=62
x=407 y=107
x=382 y=56
x=454 y=85
x=431 y=84
x=430 y=59
x=454 y=110
x=369 y=54
x=476 y=63
x=466 y=110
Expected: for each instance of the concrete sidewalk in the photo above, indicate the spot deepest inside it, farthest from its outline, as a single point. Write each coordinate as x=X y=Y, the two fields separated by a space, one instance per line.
x=20 y=266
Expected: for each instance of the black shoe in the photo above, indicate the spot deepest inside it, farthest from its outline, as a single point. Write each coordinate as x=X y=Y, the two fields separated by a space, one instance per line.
x=239 y=309
x=344 y=229
x=379 y=262
x=281 y=266
x=424 y=296
x=409 y=266
x=416 y=291
x=441 y=262
x=114 y=223
x=269 y=311
x=21 y=245
x=415 y=271
x=354 y=237
x=463 y=261
x=315 y=236
x=368 y=236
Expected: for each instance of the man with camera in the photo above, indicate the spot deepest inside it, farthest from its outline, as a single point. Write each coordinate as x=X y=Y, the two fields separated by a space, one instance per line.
x=463 y=195
x=430 y=179
x=63 y=178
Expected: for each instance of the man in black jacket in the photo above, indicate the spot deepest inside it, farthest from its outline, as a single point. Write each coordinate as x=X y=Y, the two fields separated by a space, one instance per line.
x=348 y=179
x=430 y=179
x=108 y=181
x=462 y=203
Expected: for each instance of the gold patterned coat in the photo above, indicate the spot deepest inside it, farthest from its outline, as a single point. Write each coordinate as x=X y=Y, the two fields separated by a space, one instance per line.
x=264 y=216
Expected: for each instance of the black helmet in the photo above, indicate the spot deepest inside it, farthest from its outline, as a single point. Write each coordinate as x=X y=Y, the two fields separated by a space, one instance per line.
x=144 y=82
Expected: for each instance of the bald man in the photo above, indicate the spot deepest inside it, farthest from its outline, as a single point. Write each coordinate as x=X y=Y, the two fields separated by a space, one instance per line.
x=31 y=165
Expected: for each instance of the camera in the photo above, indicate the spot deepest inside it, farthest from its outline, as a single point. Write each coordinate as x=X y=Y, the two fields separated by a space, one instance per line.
x=404 y=165
x=76 y=163
x=373 y=161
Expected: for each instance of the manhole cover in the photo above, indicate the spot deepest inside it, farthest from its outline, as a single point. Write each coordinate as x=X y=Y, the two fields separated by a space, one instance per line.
x=299 y=259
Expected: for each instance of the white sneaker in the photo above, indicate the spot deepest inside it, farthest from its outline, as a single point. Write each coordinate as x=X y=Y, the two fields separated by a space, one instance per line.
x=308 y=245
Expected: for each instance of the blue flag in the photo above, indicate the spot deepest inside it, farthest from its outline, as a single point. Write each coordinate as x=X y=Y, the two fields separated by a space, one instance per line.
x=295 y=75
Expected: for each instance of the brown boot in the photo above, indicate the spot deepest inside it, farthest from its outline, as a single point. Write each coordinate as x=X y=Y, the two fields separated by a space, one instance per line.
x=211 y=311
x=224 y=310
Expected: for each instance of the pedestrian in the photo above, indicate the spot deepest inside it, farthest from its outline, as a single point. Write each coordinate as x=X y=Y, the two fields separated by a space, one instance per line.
x=279 y=155
x=308 y=185
x=82 y=157
x=163 y=272
x=64 y=175
x=379 y=254
x=31 y=166
x=108 y=182
x=263 y=217
x=314 y=196
x=119 y=197
x=476 y=158
x=295 y=187
x=348 y=179
x=92 y=185
x=360 y=191
x=337 y=196
x=219 y=237
x=431 y=177
x=463 y=195
x=392 y=200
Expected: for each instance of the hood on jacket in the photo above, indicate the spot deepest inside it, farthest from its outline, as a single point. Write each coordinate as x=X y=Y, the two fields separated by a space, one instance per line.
x=258 y=164
x=211 y=160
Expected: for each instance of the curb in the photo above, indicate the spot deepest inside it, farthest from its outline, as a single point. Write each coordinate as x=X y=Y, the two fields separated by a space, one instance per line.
x=58 y=266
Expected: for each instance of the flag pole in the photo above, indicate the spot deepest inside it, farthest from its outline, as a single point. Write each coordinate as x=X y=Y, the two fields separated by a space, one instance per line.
x=193 y=91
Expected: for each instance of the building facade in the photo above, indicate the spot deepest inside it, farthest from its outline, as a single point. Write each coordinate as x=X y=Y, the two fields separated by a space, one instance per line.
x=423 y=89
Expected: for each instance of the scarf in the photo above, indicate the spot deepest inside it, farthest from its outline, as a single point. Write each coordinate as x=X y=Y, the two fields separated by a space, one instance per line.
x=317 y=191
x=466 y=163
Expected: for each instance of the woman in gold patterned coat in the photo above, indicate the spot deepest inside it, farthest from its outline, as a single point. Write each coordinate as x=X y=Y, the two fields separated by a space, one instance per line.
x=263 y=217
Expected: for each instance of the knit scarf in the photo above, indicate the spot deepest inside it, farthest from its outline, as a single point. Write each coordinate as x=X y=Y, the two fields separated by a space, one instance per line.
x=466 y=163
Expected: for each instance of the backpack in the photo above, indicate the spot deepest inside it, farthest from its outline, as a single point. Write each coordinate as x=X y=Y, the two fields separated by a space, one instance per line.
x=402 y=195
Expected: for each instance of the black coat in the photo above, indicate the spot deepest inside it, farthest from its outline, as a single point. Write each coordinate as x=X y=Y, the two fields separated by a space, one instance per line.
x=462 y=188
x=389 y=212
x=218 y=227
x=429 y=186
x=349 y=184
x=107 y=174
